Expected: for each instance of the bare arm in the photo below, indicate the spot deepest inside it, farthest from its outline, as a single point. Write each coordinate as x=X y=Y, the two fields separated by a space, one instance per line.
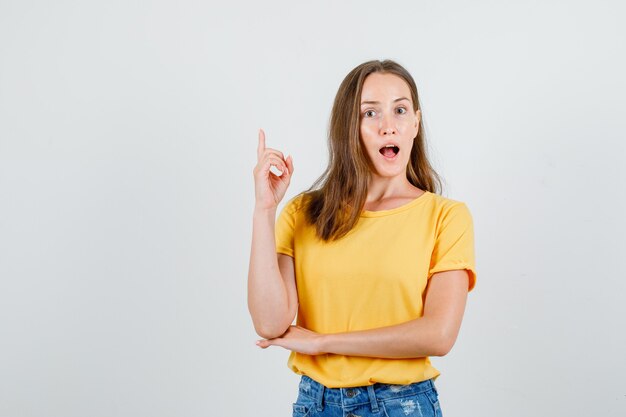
x=434 y=334
x=272 y=298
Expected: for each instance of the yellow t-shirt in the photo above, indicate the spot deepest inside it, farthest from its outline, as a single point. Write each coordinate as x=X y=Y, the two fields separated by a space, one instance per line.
x=374 y=276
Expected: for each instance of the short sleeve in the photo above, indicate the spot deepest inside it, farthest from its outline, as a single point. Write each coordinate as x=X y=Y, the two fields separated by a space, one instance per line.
x=454 y=245
x=285 y=228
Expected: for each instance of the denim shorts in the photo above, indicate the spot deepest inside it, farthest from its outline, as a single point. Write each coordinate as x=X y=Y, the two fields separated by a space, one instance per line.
x=419 y=399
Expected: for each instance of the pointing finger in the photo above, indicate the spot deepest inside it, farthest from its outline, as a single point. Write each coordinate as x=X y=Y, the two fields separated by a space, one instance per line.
x=261 y=147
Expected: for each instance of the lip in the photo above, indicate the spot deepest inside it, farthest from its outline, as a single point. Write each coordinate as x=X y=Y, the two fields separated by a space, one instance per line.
x=390 y=143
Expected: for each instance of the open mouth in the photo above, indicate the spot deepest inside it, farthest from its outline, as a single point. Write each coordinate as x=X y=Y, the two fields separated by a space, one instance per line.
x=389 y=151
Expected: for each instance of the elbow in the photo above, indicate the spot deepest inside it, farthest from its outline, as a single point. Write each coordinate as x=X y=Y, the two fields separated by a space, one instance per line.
x=442 y=350
x=444 y=344
x=270 y=332
x=273 y=329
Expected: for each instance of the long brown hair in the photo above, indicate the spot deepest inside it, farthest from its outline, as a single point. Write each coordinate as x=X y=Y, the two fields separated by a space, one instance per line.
x=343 y=185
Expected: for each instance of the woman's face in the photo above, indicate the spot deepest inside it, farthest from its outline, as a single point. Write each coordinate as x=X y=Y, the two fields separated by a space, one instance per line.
x=387 y=118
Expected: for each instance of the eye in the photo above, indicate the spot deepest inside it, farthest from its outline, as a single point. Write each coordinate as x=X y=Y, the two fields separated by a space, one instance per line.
x=402 y=108
x=369 y=111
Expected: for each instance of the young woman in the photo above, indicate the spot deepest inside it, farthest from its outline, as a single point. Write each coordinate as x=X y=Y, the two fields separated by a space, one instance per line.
x=374 y=261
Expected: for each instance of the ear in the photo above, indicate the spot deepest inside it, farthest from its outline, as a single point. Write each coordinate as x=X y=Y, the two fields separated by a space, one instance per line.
x=418 y=118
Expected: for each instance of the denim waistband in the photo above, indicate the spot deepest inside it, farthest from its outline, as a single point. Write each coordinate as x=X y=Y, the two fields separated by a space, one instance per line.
x=359 y=395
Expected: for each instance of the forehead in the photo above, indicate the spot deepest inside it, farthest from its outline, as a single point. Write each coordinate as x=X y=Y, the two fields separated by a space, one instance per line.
x=384 y=87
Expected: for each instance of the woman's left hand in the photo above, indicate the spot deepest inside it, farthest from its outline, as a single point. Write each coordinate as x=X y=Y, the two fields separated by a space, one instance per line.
x=297 y=339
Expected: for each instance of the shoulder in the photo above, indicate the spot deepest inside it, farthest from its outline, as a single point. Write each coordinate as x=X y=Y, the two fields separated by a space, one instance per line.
x=445 y=208
x=294 y=204
x=445 y=204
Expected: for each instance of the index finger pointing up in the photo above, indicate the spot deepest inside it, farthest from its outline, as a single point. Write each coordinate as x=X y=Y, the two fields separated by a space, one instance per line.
x=261 y=146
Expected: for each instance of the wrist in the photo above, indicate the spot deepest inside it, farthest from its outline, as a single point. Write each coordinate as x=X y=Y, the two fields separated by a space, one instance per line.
x=264 y=211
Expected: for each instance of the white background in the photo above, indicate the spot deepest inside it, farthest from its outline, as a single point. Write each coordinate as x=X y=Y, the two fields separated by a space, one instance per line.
x=128 y=134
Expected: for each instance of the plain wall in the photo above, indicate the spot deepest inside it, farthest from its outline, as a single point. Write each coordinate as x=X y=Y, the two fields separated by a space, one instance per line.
x=128 y=135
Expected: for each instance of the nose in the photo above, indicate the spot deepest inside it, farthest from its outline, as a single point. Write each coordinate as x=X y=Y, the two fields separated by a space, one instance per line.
x=387 y=127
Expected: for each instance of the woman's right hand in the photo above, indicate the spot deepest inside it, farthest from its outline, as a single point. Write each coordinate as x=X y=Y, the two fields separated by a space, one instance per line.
x=269 y=187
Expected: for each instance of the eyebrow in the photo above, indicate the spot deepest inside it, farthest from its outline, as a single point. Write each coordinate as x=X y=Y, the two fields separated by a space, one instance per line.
x=378 y=102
